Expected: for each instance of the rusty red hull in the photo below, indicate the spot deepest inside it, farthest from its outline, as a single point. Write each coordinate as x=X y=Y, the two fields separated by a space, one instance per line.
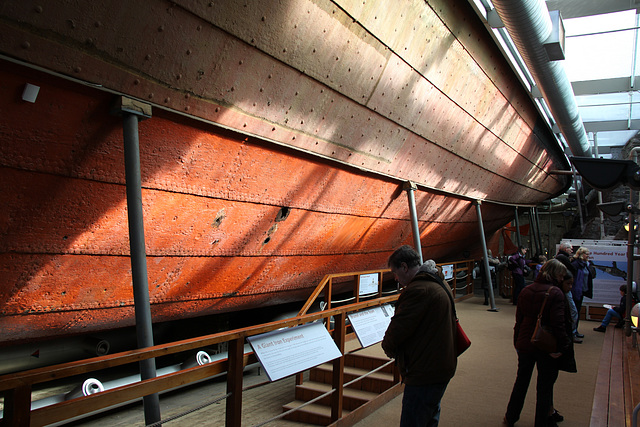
x=264 y=167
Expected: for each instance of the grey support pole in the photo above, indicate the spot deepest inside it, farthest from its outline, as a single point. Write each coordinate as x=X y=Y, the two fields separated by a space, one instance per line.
x=518 y=229
x=549 y=236
x=630 y=260
x=532 y=230
x=410 y=187
x=485 y=258
x=540 y=249
x=131 y=111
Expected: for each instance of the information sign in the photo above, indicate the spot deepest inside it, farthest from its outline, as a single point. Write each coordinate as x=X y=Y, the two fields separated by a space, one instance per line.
x=288 y=351
x=447 y=270
x=371 y=324
x=368 y=284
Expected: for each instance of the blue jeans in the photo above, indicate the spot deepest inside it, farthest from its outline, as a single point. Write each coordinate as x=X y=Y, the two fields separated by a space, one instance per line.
x=421 y=405
x=610 y=314
x=574 y=312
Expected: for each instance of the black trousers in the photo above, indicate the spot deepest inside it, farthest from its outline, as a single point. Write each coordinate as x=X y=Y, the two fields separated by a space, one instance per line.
x=518 y=285
x=547 y=375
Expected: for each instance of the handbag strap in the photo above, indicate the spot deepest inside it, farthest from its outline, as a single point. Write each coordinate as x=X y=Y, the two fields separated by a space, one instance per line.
x=546 y=295
x=439 y=281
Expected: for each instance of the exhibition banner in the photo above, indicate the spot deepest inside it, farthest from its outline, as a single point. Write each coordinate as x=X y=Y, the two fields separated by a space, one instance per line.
x=609 y=259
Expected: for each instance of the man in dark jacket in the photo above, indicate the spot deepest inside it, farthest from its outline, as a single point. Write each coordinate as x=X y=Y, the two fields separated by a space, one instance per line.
x=421 y=339
x=564 y=256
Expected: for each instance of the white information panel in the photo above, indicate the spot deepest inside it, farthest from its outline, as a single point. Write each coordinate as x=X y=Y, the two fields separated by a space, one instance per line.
x=447 y=270
x=288 y=351
x=371 y=324
x=368 y=284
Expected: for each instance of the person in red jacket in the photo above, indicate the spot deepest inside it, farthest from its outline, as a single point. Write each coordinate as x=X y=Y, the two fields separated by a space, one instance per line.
x=421 y=338
x=530 y=301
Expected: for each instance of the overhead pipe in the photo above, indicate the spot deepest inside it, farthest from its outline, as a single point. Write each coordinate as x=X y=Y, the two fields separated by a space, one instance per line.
x=529 y=25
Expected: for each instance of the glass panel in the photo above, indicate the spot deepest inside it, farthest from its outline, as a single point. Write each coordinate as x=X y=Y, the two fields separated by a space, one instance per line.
x=599 y=56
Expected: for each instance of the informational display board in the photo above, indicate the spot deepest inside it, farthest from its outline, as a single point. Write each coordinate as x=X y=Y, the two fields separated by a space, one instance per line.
x=371 y=324
x=609 y=258
x=288 y=351
x=447 y=270
x=368 y=284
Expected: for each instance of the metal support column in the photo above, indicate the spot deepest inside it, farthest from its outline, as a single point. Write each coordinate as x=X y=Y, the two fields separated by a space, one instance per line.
x=536 y=221
x=595 y=154
x=131 y=111
x=539 y=233
x=551 y=253
x=485 y=257
x=532 y=231
x=519 y=240
x=410 y=187
x=576 y=186
x=630 y=260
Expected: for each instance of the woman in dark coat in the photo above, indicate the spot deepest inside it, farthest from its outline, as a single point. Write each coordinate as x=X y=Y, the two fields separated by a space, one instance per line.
x=530 y=302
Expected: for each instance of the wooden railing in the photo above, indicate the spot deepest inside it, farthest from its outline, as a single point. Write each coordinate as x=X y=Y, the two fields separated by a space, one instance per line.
x=17 y=387
x=325 y=287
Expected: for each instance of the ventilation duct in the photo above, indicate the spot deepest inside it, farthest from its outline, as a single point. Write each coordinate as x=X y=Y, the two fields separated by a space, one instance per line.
x=529 y=25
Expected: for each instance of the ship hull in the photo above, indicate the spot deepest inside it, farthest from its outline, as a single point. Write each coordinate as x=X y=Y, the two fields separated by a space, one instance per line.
x=264 y=165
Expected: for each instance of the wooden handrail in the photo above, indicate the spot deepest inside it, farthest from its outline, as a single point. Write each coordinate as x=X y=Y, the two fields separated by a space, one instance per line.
x=328 y=279
x=17 y=386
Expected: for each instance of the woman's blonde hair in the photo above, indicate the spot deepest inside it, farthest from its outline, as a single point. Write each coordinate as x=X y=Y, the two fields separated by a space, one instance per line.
x=581 y=250
x=553 y=269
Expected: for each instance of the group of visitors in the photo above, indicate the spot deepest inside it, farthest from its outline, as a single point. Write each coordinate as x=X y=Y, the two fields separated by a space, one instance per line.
x=556 y=295
x=422 y=333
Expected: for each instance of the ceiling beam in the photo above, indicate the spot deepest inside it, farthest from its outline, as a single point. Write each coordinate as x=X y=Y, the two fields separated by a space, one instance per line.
x=597 y=87
x=607 y=126
x=579 y=8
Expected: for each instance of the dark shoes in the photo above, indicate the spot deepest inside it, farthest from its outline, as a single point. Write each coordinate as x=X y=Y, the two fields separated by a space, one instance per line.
x=620 y=324
x=556 y=417
x=579 y=335
x=577 y=340
x=600 y=329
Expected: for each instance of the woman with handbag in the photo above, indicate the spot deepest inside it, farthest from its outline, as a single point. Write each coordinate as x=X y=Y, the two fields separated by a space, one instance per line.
x=541 y=303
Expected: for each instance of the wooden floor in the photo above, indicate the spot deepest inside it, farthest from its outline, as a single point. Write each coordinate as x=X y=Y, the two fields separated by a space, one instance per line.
x=617 y=389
